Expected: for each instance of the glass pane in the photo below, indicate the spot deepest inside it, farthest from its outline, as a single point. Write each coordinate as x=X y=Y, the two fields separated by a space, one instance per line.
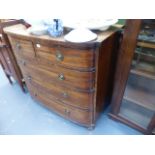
x=138 y=104
x=141 y=91
x=135 y=113
x=144 y=60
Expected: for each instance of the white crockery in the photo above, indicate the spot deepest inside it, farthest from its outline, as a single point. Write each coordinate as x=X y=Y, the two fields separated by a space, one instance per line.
x=80 y=35
x=37 y=30
x=92 y=24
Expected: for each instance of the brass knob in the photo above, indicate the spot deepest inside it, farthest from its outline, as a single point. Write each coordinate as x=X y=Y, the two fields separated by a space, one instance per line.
x=59 y=56
x=65 y=94
x=38 y=45
x=18 y=46
x=61 y=77
x=23 y=80
x=67 y=112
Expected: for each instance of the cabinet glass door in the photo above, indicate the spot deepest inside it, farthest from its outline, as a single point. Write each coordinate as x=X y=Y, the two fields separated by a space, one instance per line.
x=138 y=104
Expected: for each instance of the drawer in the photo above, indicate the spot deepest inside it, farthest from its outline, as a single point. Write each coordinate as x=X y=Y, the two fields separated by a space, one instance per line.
x=22 y=48
x=66 y=57
x=83 y=117
x=71 y=78
x=73 y=114
x=68 y=96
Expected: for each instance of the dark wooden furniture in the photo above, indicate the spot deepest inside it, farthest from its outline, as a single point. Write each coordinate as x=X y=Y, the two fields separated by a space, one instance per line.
x=72 y=79
x=7 y=58
x=133 y=101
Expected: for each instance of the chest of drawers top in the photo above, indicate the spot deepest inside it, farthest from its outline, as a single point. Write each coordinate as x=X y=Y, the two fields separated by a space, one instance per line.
x=21 y=30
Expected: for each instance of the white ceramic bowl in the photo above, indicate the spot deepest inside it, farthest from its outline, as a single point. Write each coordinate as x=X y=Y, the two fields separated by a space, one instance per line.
x=92 y=24
x=80 y=35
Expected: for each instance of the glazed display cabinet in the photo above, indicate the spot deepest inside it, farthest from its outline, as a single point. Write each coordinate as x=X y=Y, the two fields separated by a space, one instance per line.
x=133 y=101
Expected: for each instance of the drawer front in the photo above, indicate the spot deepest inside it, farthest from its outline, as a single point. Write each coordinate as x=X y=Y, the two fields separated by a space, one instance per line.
x=71 y=78
x=22 y=48
x=82 y=100
x=66 y=57
x=73 y=114
x=76 y=115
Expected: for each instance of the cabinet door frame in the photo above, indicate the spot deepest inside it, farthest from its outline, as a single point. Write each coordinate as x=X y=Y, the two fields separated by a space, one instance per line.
x=126 y=53
x=125 y=57
x=151 y=126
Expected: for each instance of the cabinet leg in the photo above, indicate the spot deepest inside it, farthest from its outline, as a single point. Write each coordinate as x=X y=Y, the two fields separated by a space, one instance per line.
x=9 y=78
x=22 y=85
x=92 y=127
x=23 y=88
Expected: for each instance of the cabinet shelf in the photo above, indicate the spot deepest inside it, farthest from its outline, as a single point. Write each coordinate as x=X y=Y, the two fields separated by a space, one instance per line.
x=135 y=114
x=135 y=74
x=144 y=67
x=152 y=55
x=140 y=97
x=143 y=73
x=146 y=44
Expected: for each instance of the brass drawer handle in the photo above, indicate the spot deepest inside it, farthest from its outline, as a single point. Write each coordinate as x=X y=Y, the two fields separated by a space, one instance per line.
x=59 y=56
x=38 y=45
x=21 y=62
x=65 y=94
x=18 y=46
x=67 y=112
x=61 y=77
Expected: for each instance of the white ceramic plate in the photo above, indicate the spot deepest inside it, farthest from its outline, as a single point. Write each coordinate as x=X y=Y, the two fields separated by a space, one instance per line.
x=93 y=24
x=37 y=30
x=80 y=35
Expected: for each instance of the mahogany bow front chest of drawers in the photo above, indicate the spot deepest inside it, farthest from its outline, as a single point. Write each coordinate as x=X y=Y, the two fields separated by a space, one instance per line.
x=72 y=79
